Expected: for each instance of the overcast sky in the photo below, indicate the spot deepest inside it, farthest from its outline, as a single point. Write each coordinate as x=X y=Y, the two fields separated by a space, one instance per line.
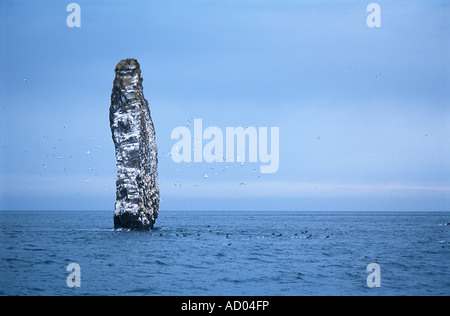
x=363 y=113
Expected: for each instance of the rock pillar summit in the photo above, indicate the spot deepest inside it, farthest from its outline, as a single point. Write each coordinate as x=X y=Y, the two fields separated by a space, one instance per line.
x=133 y=133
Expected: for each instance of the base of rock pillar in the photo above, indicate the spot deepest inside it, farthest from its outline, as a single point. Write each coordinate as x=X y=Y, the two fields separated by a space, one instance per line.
x=132 y=221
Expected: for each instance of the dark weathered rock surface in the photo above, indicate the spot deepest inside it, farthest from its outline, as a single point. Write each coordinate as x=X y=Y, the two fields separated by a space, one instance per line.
x=133 y=133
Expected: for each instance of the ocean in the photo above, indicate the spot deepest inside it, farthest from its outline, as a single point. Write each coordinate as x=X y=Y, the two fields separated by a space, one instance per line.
x=192 y=253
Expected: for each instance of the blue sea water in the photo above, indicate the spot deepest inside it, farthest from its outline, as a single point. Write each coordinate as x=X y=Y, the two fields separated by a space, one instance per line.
x=190 y=253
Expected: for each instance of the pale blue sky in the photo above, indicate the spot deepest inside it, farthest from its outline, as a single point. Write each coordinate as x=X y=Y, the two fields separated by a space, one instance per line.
x=307 y=67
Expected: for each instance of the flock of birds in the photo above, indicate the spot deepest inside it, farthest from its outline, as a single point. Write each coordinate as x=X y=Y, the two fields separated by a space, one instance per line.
x=304 y=234
x=47 y=149
x=60 y=157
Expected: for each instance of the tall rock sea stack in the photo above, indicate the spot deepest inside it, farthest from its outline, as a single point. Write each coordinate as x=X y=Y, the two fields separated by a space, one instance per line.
x=133 y=133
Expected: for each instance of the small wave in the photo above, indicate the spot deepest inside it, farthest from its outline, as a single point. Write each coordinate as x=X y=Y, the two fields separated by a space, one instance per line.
x=229 y=280
x=141 y=290
x=33 y=249
x=48 y=262
x=35 y=289
x=299 y=276
x=121 y=229
x=161 y=263
x=195 y=267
